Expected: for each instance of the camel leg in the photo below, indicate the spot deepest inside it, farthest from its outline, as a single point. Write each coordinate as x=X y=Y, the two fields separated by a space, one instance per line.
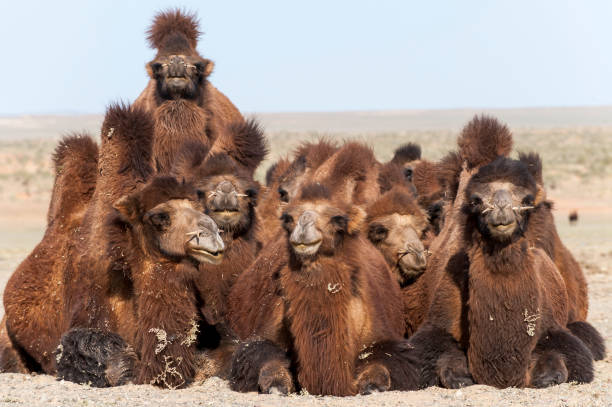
x=389 y=365
x=560 y=357
x=10 y=358
x=100 y=358
x=590 y=337
x=260 y=365
x=440 y=359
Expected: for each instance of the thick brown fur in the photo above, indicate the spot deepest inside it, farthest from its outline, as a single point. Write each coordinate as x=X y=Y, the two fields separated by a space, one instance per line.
x=105 y=260
x=543 y=233
x=396 y=225
x=500 y=301
x=173 y=22
x=33 y=294
x=235 y=166
x=320 y=311
x=204 y=114
x=285 y=182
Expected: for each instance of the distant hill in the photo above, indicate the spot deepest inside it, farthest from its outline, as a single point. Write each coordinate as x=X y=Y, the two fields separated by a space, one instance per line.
x=22 y=127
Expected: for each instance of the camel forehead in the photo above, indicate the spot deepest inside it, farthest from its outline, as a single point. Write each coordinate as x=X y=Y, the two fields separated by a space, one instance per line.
x=176 y=204
x=398 y=221
x=503 y=185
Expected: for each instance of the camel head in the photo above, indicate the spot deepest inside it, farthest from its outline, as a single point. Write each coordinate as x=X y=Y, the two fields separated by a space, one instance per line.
x=395 y=224
x=500 y=198
x=316 y=225
x=168 y=222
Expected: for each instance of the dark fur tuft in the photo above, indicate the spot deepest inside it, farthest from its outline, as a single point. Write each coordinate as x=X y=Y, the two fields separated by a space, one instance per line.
x=248 y=361
x=400 y=361
x=406 y=153
x=250 y=146
x=590 y=337
x=534 y=164
x=173 y=23
x=89 y=355
x=130 y=130
x=484 y=139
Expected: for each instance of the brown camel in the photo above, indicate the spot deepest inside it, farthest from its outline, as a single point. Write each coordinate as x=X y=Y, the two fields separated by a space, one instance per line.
x=321 y=296
x=28 y=297
x=501 y=299
x=186 y=107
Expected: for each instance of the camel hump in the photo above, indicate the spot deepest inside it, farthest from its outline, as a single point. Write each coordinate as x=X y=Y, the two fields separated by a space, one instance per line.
x=484 y=139
x=75 y=160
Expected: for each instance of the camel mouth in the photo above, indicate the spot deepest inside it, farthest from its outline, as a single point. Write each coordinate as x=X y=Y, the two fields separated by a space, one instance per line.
x=409 y=270
x=502 y=230
x=207 y=256
x=226 y=211
x=306 y=249
x=226 y=217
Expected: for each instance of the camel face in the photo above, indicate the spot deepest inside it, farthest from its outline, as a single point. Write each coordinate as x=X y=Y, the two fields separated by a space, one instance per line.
x=314 y=228
x=397 y=237
x=179 y=76
x=178 y=228
x=230 y=201
x=501 y=196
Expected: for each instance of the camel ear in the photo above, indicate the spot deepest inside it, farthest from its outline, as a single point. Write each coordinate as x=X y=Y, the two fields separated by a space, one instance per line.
x=357 y=217
x=127 y=208
x=206 y=67
x=540 y=195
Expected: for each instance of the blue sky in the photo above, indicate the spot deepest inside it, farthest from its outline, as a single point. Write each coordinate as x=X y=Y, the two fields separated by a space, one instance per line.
x=77 y=56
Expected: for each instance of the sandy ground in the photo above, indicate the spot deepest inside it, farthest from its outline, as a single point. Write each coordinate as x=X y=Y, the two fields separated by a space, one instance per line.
x=22 y=219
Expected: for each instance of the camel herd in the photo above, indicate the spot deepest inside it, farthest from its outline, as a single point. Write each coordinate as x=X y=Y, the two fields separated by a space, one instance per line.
x=165 y=262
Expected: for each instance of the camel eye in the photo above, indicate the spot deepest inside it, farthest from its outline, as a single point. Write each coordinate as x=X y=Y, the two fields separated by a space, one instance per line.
x=251 y=193
x=286 y=218
x=201 y=194
x=160 y=220
x=377 y=233
x=340 y=222
x=528 y=200
x=475 y=200
x=408 y=173
x=284 y=195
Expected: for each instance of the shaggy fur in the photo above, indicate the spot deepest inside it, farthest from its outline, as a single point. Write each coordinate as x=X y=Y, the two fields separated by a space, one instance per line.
x=501 y=301
x=406 y=153
x=74 y=161
x=322 y=310
x=241 y=246
x=201 y=113
x=170 y=23
x=482 y=140
x=395 y=224
x=33 y=297
x=285 y=183
x=94 y=351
